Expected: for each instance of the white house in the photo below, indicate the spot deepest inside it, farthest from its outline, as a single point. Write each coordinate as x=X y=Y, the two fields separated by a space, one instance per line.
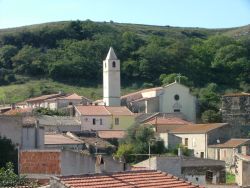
x=197 y=137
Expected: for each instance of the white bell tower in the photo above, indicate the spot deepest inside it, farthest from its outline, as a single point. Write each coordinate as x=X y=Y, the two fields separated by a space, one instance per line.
x=111 y=80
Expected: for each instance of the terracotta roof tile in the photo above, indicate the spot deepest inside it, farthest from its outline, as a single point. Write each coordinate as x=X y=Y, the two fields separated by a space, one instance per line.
x=138 y=95
x=93 y=110
x=111 y=134
x=119 y=110
x=232 y=143
x=129 y=179
x=104 y=110
x=44 y=97
x=18 y=111
x=198 y=128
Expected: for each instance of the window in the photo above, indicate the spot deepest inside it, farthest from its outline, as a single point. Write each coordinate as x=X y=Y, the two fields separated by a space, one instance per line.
x=100 y=121
x=209 y=176
x=94 y=121
x=176 y=97
x=113 y=64
x=202 y=154
x=186 y=142
x=116 y=121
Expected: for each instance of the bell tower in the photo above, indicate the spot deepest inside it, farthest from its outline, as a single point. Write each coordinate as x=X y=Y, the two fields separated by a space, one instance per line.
x=111 y=80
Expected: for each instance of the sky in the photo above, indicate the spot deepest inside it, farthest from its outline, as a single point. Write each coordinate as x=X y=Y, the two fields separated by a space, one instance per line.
x=182 y=13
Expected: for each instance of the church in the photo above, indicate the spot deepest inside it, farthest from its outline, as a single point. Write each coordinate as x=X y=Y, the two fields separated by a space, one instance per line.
x=173 y=98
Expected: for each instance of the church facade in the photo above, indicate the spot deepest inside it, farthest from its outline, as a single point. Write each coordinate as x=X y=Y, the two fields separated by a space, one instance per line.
x=172 y=99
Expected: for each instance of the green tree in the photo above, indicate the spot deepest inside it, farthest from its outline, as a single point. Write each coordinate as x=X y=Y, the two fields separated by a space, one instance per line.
x=8 y=152
x=211 y=116
x=6 y=53
x=137 y=142
x=8 y=178
x=170 y=78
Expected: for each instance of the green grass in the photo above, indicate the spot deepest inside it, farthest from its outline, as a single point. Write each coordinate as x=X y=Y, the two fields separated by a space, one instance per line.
x=20 y=92
x=230 y=178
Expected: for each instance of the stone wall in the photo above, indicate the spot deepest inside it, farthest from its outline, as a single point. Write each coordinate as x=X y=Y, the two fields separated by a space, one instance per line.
x=236 y=111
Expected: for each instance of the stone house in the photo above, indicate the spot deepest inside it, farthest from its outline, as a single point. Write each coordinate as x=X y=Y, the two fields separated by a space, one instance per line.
x=104 y=117
x=226 y=151
x=236 y=111
x=196 y=170
x=198 y=137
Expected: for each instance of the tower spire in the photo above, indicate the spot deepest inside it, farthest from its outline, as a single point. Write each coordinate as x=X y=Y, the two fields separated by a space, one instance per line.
x=111 y=79
x=111 y=54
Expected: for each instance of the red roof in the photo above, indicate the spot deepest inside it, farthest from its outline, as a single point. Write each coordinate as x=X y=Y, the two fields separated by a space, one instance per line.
x=111 y=134
x=44 y=97
x=119 y=110
x=93 y=110
x=167 y=121
x=103 y=110
x=129 y=179
x=18 y=111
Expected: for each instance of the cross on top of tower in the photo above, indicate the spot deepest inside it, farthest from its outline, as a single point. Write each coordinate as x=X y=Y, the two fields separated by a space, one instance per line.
x=111 y=54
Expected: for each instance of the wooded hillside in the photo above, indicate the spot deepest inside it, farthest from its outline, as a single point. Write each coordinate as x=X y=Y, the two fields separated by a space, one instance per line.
x=72 y=52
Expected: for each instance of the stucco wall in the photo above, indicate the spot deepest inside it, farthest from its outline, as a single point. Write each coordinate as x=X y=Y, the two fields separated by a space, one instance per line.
x=111 y=83
x=152 y=105
x=170 y=140
x=11 y=127
x=243 y=169
x=74 y=163
x=124 y=122
x=87 y=122
x=32 y=137
x=196 y=142
x=186 y=102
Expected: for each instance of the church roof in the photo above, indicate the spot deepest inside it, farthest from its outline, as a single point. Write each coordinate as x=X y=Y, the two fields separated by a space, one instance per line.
x=111 y=54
